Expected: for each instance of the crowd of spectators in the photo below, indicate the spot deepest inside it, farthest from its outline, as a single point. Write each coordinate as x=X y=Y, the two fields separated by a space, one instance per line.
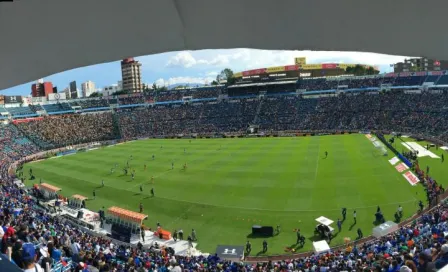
x=63 y=130
x=419 y=246
x=419 y=113
x=34 y=240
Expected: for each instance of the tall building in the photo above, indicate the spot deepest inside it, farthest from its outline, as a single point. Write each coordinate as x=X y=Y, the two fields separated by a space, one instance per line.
x=88 y=88
x=41 y=89
x=420 y=64
x=67 y=93
x=73 y=90
x=131 y=75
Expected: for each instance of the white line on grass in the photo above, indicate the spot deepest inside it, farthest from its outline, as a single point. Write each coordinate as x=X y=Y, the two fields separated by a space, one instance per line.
x=317 y=162
x=259 y=209
x=180 y=217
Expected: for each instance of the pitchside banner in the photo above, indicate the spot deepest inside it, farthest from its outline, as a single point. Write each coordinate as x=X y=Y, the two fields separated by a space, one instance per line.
x=411 y=178
x=13 y=99
x=230 y=252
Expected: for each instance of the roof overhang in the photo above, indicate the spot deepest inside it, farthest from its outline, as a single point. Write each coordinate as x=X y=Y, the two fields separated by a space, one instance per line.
x=40 y=38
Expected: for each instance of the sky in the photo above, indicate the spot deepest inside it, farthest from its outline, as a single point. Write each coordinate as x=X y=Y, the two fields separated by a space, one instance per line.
x=201 y=67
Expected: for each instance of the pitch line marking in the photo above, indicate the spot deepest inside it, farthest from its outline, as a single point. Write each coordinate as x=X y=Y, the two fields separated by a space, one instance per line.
x=180 y=216
x=272 y=210
x=259 y=209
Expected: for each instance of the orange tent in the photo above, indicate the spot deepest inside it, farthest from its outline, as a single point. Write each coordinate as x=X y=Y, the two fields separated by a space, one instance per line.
x=79 y=197
x=127 y=215
x=49 y=187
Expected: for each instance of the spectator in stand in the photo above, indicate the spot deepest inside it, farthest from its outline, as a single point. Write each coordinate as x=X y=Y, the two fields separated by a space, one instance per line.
x=29 y=259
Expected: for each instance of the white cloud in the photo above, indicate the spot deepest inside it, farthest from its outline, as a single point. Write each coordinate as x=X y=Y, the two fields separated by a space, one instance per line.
x=243 y=59
x=183 y=59
x=184 y=80
x=212 y=74
x=186 y=59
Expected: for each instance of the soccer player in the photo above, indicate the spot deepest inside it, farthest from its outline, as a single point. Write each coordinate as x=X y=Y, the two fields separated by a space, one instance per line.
x=298 y=236
x=102 y=183
x=94 y=194
x=248 y=247
x=141 y=188
x=420 y=204
x=172 y=165
x=326 y=154
x=400 y=211
x=427 y=169
x=443 y=158
x=153 y=157
x=152 y=192
x=132 y=175
x=354 y=216
x=141 y=207
x=145 y=167
x=265 y=246
x=112 y=170
x=152 y=179
x=125 y=171
x=193 y=235
x=339 y=225
x=185 y=166
x=131 y=157
x=344 y=213
x=360 y=235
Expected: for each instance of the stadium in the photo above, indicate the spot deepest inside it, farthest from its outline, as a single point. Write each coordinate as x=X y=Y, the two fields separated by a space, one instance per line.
x=311 y=170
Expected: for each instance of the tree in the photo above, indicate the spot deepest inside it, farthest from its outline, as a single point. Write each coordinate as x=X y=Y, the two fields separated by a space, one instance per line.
x=214 y=83
x=226 y=75
x=96 y=94
x=360 y=70
x=121 y=92
x=154 y=86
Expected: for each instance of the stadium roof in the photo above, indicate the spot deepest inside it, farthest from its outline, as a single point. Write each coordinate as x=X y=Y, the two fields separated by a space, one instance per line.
x=40 y=38
x=50 y=187
x=127 y=214
x=80 y=197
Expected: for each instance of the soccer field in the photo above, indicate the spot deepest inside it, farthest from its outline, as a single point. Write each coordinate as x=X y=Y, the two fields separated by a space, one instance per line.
x=232 y=184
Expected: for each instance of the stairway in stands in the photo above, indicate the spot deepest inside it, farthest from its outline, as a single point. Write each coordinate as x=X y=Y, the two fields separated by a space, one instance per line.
x=116 y=123
x=257 y=113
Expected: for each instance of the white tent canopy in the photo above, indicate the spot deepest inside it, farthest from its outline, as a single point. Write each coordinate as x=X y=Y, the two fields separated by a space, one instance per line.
x=40 y=38
x=321 y=246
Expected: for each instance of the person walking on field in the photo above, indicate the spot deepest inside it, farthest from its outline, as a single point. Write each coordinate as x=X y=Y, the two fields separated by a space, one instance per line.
x=354 y=216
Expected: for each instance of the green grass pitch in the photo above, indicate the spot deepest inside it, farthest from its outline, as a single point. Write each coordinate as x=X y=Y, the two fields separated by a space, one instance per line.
x=232 y=184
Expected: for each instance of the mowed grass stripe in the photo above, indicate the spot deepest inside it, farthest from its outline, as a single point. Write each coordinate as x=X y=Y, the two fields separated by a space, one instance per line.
x=231 y=184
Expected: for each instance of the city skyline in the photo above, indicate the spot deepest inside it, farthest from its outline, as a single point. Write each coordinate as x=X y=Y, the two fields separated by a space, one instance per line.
x=199 y=67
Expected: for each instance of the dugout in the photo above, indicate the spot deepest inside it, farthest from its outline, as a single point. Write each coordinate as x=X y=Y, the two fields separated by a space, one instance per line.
x=49 y=191
x=77 y=200
x=125 y=218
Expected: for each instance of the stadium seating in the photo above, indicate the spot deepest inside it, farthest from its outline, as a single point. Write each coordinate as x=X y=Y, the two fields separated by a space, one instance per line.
x=423 y=113
x=58 y=107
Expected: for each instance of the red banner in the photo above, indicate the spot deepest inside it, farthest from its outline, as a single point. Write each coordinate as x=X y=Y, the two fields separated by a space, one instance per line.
x=291 y=67
x=329 y=65
x=420 y=73
x=405 y=74
x=390 y=75
x=257 y=71
x=26 y=120
x=436 y=73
